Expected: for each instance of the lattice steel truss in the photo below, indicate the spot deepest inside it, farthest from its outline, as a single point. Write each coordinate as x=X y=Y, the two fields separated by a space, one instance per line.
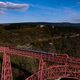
x=65 y=66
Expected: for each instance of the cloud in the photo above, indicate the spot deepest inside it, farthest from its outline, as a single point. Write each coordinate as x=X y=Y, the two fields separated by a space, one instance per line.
x=73 y=15
x=2 y=12
x=70 y=11
x=45 y=9
x=42 y=7
x=16 y=6
x=76 y=18
x=13 y=6
x=69 y=14
x=78 y=2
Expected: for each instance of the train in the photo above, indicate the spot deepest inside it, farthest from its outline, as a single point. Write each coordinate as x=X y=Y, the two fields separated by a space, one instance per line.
x=28 y=49
x=54 y=54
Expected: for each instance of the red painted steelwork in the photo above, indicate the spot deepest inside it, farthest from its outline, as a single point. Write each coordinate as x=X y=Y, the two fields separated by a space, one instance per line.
x=55 y=72
x=6 y=66
x=64 y=66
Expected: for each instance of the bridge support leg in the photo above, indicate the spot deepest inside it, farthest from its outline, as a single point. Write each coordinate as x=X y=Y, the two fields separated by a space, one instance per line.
x=42 y=66
x=6 y=66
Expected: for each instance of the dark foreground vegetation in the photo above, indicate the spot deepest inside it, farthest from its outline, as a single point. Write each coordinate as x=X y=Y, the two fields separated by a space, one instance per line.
x=49 y=37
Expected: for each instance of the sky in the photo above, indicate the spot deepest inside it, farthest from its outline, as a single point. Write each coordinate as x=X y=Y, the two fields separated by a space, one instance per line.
x=13 y=11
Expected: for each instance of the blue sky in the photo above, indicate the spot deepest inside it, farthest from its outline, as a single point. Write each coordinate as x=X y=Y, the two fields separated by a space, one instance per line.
x=43 y=11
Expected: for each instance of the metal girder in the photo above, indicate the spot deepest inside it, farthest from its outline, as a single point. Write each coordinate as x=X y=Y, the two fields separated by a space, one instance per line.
x=6 y=66
x=55 y=72
x=66 y=66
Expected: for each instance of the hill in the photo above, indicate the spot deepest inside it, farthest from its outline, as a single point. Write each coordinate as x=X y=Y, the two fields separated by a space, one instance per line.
x=50 y=37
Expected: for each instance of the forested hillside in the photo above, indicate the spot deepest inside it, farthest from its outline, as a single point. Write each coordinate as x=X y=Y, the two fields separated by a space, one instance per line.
x=50 y=37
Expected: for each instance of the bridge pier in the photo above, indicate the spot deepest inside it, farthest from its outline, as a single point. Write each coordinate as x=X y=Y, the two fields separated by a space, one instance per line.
x=6 y=66
x=42 y=66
